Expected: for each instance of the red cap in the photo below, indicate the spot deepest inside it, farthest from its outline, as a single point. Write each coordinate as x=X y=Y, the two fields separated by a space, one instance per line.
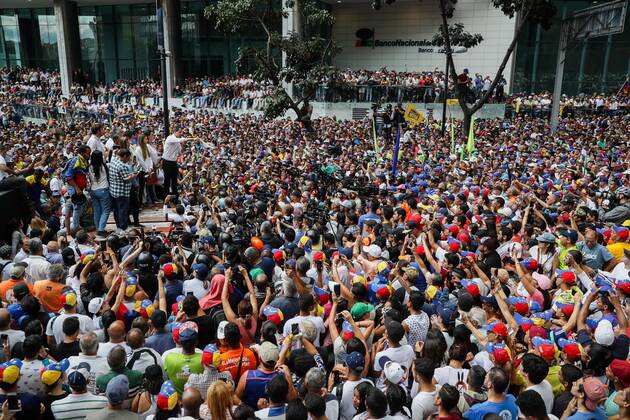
x=501 y=356
x=419 y=250
x=567 y=310
x=568 y=277
x=522 y=308
x=169 y=269
x=473 y=289
x=547 y=351
x=279 y=256
x=319 y=256
x=454 y=229
x=454 y=246
x=536 y=331
x=572 y=352
x=621 y=370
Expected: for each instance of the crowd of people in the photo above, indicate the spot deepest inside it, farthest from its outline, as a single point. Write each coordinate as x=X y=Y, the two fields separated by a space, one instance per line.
x=301 y=276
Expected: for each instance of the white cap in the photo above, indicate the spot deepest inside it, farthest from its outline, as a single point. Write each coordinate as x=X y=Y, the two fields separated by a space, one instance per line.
x=221 y=330
x=604 y=333
x=393 y=372
x=373 y=250
x=95 y=305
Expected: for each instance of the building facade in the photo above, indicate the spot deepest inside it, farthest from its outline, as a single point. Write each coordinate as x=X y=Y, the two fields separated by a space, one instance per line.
x=105 y=40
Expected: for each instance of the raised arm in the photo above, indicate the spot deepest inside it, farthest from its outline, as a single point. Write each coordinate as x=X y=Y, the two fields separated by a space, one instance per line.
x=229 y=313
x=250 y=289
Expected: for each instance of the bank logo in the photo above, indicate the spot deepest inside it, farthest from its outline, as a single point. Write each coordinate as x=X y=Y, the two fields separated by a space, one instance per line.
x=365 y=38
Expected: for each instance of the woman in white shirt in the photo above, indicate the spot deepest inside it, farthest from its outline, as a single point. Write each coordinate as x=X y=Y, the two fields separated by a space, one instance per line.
x=544 y=253
x=146 y=157
x=99 y=191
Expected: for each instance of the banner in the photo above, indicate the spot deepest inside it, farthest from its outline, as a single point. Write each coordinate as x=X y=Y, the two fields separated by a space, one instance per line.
x=470 y=146
x=452 y=102
x=396 y=150
x=413 y=116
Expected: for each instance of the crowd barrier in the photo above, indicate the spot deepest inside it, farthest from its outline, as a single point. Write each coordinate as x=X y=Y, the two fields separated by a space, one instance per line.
x=41 y=112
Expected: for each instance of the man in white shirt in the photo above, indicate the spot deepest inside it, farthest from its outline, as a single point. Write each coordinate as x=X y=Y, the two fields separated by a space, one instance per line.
x=98 y=364
x=535 y=370
x=80 y=403
x=401 y=354
x=94 y=142
x=37 y=268
x=54 y=329
x=423 y=403
x=172 y=149
x=141 y=357
x=307 y=304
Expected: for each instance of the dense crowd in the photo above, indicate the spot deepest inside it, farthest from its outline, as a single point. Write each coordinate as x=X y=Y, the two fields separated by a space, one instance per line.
x=301 y=277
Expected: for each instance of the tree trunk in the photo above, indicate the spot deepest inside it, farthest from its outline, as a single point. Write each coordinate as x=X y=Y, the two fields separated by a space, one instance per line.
x=466 y=127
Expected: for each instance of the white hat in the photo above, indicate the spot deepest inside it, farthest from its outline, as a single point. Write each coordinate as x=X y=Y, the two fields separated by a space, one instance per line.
x=393 y=372
x=373 y=250
x=95 y=305
x=604 y=333
x=221 y=330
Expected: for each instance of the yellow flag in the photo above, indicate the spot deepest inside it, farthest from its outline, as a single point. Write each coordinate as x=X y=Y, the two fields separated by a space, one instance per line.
x=413 y=116
x=452 y=102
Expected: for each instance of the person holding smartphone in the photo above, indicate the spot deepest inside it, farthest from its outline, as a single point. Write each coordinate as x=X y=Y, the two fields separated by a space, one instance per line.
x=22 y=405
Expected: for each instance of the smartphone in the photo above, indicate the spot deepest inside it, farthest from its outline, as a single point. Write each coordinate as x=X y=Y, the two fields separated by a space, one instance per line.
x=14 y=402
x=295 y=329
x=337 y=289
x=103 y=245
x=3 y=340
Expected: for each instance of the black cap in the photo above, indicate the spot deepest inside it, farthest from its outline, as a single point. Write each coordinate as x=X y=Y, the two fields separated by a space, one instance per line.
x=492 y=301
x=20 y=290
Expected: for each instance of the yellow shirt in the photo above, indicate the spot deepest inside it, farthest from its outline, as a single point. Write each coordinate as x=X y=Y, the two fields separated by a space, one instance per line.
x=617 y=249
x=552 y=378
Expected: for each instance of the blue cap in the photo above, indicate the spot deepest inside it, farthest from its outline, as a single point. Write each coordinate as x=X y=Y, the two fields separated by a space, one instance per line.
x=202 y=271
x=355 y=361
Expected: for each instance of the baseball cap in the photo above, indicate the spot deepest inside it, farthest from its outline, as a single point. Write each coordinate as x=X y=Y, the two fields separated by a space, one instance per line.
x=53 y=371
x=268 y=353
x=78 y=376
x=117 y=389
x=530 y=264
x=571 y=234
x=221 y=330
x=279 y=256
x=68 y=298
x=546 y=238
x=567 y=276
x=537 y=331
x=20 y=290
x=17 y=271
x=500 y=352
x=373 y=250
x=393 y=372
x=169 y=269
x=359 y=309
x=490 y=300
x=202 y=270
x=167 y=397
x=273 y=314
x=622 y=232
x=346 y=331
x=10 y=371
x=145 y=308
x=594 y=391
x=132 y=284
x=471 y=287
x=545 y=348
x=497 y=327
x=543 y=281
x=188 y=332
x=355 y=361
x=572 y=349
x=211 y=356
x=95 y=305
x=621 y=370
x=604 y=333
x=520 y=304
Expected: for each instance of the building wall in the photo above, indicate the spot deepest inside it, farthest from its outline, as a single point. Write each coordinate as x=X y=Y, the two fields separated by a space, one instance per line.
x=599 y=65
x=419 y=21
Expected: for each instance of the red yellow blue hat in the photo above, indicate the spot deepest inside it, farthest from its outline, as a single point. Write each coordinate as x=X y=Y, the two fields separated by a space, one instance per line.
x=53 y=371
x=86 y=257
x=346 y=331
x=323 y=296
x=132 y=284
x=169 y=269
x=273 y=314
x=211 y=356
x=68 y=298
x=10 y=371
x=168 y=397
x=530 y=264
x=145 y=308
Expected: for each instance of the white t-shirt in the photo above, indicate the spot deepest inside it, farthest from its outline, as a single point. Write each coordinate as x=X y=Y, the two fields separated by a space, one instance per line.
x=546 y=392
x=450 y=375
x=402 y=355
x=55 y=325
x=317 y=321
x=94 y=143
x=423 y=404
x=620 y=272
x=195 y=286
x=172 y=148
x=2 y=173
x=98 y=367
x=346 y=407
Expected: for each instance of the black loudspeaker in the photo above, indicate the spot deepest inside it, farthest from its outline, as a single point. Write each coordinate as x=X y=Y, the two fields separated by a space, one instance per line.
x=15 y=204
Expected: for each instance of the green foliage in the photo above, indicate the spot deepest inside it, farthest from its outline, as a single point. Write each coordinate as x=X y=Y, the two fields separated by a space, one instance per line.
x=308 y=55
x=459 y=37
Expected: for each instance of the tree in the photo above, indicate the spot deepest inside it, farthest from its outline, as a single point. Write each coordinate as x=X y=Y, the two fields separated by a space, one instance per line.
x=454 y=35
x=306 y=54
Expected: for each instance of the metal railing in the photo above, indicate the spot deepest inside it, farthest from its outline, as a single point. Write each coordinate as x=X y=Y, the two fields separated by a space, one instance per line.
x=58 y=113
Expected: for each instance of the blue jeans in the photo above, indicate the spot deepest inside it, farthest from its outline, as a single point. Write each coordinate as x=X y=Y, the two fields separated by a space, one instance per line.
x=77 y=210
x=121 y=212
x=102 y=206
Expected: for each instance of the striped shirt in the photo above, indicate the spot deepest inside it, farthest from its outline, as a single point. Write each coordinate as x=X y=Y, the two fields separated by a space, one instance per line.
x=77 y=406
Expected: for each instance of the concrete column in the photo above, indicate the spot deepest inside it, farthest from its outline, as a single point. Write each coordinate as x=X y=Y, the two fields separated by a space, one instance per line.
x=68 y=45
x=171 y=10
x=291 y=23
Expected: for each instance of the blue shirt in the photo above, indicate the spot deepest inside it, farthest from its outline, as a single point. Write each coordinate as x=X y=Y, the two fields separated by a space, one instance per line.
x=368 y=216
x=507 y=409
x=595 y=257
x=161 y=342
x=598 y=414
